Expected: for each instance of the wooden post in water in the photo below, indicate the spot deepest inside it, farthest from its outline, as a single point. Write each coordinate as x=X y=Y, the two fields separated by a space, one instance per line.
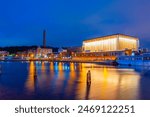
x=88 y=77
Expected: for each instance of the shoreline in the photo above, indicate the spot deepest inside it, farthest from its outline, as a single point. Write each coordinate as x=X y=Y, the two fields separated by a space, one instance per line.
x=73 y=61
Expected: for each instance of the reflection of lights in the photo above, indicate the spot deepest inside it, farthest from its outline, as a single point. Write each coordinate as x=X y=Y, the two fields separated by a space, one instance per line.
x=107 y=82
x=60 y=66
x=66 y=67
x=52 y=66
x=72 y=66
x=36 y=62
x=30 y=81
x=105 y=72
x=43 y=67
x=55 y=66
x=126 y=70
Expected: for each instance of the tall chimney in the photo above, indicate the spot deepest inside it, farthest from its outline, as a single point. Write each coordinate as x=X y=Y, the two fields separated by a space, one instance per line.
x=44 y=38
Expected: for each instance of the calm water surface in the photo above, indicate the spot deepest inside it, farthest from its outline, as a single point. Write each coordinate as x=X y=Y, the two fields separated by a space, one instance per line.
x=57 y=80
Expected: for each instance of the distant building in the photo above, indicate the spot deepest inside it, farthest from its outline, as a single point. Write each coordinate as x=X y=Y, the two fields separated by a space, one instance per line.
x=116 y=42
x=43 y=52
x=4 y=53
x=23 y=54
x=74 y=49
x=39 y=52
x=60 y=50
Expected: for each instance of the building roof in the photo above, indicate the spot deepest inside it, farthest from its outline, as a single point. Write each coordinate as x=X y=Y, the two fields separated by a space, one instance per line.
x=109 y=36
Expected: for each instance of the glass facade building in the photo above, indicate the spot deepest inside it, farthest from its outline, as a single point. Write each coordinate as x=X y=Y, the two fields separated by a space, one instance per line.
x=117 y=42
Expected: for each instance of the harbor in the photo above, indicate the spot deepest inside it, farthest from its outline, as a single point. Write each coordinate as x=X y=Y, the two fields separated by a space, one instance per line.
x=116 y=49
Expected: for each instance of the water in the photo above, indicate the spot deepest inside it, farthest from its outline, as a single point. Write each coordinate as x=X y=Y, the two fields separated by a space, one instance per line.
x=57 y=80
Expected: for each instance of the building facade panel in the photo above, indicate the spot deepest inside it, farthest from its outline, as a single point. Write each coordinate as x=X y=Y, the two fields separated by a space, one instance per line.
x=128 y=42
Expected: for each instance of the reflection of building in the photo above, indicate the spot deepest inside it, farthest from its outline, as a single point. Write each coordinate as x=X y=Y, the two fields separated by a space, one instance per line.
x=117 y=42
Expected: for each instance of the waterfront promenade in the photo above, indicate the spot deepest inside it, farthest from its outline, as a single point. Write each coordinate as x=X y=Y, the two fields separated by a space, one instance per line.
x=107 y=62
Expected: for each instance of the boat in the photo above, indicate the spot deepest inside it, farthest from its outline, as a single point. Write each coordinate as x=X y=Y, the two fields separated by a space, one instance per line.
x=134 y=60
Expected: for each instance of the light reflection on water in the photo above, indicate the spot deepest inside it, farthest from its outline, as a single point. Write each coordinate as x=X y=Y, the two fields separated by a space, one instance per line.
x=58 y=80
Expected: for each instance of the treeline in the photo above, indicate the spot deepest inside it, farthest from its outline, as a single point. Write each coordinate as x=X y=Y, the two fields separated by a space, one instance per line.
x=15 y=49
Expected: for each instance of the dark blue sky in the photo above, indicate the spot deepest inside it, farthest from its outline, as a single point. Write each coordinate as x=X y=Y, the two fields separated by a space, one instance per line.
x=69 y=22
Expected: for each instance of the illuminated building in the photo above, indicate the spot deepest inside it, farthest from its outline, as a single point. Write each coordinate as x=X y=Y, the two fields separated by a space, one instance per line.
x=117 y=42
x=39 y=52
x=43 y=52
x=107 y=48
x=4 y=53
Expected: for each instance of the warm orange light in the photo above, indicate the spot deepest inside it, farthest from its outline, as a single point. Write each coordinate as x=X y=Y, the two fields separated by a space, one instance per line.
x=110 y=43
x=31 y=81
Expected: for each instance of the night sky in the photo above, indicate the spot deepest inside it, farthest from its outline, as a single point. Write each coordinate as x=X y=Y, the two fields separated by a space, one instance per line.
x=69 y=22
